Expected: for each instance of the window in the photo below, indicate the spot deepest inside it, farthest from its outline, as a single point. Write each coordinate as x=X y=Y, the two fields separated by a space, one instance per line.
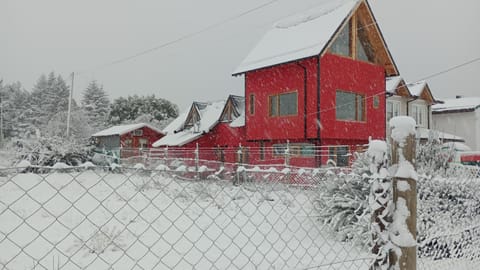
x=350 y=106
x=142 y=143
x=296 y=149
x=283 y=104
x=252 y=104
x=419 y=113
x=127 y=142
x=393 y=109
x=352 y=41
x=137 y=132
x=376 y=102
x=339 y=154
x=341 y=45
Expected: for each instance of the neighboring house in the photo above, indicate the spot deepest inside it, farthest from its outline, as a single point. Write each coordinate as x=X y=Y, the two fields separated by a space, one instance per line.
x=460 y=116
x=126 y=137
x=414 y=99
x=317 y=80
x=215 y=126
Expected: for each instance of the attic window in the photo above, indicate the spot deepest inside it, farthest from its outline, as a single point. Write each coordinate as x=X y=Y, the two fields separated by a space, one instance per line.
x=341 y=45
x=137 y=132
x=352 y=41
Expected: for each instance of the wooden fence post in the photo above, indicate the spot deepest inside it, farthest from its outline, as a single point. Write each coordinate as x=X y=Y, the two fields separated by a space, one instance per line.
x=404 y=190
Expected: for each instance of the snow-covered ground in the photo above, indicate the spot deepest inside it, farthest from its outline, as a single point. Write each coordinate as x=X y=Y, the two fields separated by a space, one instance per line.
x=144 y=220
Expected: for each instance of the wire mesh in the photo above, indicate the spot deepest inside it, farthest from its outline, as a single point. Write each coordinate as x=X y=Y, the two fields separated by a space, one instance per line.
x=104 y=218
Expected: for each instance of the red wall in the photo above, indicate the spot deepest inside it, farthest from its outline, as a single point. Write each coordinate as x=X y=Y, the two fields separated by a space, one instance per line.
x=342 y=73
x=148 y=133
x=281 y=79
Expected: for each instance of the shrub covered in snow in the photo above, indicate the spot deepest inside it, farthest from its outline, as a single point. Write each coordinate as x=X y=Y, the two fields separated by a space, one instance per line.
x=343 y=203
x=447 y=211
x=48 y=151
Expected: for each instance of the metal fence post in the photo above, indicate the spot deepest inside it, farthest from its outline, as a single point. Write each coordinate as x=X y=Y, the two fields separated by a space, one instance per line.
x=239 y=163
x=165 y=154
x=405 y=194
x=287 y=154
x=197 y=173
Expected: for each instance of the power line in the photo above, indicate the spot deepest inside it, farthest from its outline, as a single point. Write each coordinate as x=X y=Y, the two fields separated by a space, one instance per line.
x=184 y=37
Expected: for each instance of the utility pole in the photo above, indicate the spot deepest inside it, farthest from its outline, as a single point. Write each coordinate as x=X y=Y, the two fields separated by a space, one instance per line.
x=1 y=116
x=70 y=106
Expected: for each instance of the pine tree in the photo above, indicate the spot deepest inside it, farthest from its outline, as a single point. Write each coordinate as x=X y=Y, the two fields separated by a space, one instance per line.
x=96 y=104
x=14 y=102
x=49 y=96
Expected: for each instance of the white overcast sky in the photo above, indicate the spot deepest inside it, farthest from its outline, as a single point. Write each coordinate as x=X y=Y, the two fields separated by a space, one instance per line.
x=424 y=37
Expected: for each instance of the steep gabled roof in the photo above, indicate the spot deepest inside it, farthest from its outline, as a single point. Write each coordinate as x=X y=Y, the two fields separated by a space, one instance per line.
x=422 y=90
x=310 y=34
x=198 y=120
x=397 y=86
x=123 y=129
x=461 y=104
x=234 y=108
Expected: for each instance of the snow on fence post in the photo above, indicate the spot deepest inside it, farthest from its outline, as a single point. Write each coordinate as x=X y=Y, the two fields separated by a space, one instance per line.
x=381 y=204
x=403 y=228
x=239 y=166
x=197 y=173
x=165 y=154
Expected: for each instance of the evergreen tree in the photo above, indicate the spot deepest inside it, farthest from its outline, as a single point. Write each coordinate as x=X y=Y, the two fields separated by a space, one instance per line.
x=49 y=96
x=125 y=110
x=14 y=103
x=96 y=105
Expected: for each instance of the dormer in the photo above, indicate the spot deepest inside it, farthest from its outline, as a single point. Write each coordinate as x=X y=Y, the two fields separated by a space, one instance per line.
x=234 y=108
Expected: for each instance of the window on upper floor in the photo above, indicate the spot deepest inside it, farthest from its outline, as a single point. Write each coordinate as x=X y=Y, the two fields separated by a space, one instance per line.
x=283 y=104
x=393 y=109
x=341 y=45
x=352 y=41
x=419 y=113
x=251 y=103
x=349 y=106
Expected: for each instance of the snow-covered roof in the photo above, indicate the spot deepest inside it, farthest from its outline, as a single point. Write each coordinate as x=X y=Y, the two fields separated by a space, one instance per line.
x=123 y=129
x=417 y=88
x=239 y=121
x=178 y=133
x=425 y=134
x=457 y=104
x=300 y=36
x=392 y=83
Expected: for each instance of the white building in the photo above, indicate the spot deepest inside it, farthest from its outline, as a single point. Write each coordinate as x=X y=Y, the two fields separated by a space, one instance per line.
x=460 y=116
x=413 y=99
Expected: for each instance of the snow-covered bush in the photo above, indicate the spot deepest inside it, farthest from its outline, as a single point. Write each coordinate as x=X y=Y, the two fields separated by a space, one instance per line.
x=431 y=158
x=343 y=203
x=447 y=209
x=49 y=151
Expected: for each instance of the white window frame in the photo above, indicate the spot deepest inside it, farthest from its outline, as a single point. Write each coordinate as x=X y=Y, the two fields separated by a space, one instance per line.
x=419 y=113
x=395 y=105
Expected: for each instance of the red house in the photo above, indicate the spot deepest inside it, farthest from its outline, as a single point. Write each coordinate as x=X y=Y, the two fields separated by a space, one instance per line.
x=125 y=140
x=217 y=128
x=317 y=80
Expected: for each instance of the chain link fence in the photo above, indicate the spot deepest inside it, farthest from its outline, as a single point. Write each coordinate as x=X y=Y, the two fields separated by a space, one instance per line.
x=200 y=214
x=104 y=218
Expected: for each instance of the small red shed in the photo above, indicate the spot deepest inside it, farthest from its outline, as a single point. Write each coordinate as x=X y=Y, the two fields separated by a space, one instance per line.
x=127 y=137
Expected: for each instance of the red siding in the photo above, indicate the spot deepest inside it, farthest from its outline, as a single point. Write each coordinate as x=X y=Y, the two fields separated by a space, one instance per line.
x=148 y=133
x=341 y=73
x=282 y=79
